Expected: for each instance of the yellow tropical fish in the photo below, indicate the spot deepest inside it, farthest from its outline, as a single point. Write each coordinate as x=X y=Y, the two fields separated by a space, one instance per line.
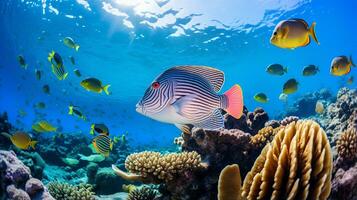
x=74 y=110
x=69 y=42
x=293 y=33
x=43 y=126
x=341 y=65
x=290 y=86
x=319 y=108
x=57 y=65
x=103 y=144
x=99 y=128
x=261 y=98
x=94 y=85
x=21 y=140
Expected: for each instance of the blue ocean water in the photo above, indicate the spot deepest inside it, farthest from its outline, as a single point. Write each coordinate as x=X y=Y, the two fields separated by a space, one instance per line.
x=128 y=43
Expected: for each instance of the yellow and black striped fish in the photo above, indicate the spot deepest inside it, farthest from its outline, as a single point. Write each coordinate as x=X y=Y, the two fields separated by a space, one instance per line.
x=103 y=144
x=57 y=65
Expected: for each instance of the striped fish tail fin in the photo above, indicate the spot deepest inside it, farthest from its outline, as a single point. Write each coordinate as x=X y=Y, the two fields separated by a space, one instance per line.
x=234 y=101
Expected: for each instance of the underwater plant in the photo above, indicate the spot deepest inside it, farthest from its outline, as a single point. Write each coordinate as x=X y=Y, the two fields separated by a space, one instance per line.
x=143 y=193
x=296 y=165
x=154 y=167
x=66 y=191
x=347 y=145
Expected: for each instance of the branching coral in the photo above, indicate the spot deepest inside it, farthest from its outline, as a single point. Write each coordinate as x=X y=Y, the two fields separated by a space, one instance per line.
x=155 y=167
x=229 y=183
x=296 y=165
x=66 y=191
x=347 y=145
x=144 y=193
x=264 y=136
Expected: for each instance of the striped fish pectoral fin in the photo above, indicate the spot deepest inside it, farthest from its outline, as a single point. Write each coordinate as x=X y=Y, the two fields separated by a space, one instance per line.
x=185 y=128
x=214 y=76
x=181 y=103
x=214 y=121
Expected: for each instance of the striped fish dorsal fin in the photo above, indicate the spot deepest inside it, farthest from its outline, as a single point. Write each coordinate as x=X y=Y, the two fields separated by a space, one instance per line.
x=214 y=121
x=214 y=76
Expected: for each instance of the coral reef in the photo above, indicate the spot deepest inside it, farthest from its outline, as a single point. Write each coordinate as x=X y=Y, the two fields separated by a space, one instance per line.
x=107 y=182
x=304 y=106
x=34 y=161
x=288 y=120
x=296 y=165
x=344 y=184
x=347 y=145
x=143 y=193
x=229 y=184
x=156 y=168
x=17 y=182
x=264 y=136
x=340 y=115
x=6 y=127
x=250 y=122
x=66 y=191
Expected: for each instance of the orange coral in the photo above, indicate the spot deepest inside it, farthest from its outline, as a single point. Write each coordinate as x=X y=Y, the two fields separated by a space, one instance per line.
x=347 y=145
x=229 y=183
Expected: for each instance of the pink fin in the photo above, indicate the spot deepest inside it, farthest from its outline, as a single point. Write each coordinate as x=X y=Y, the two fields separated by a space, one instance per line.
x=234 y=98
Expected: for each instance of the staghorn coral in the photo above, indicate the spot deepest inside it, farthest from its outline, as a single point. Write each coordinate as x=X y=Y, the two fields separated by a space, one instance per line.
x=347 y=145
x=66 y=191
x=149 y=166
x=296 y=165
x=143 y=193
x=264 y=136
x=229 y=183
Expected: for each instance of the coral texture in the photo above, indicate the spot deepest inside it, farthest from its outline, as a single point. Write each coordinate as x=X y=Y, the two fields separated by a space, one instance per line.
x=288 y=120
x=344 y=184
x=143 y=193
x=106 y=181
x=66 y=191
x=250 y=122
x=347 y=145
x=229 y=184
x=16 y=181
x=162 y=168
x=340 y=115
x=264 y=136
x=296 y=165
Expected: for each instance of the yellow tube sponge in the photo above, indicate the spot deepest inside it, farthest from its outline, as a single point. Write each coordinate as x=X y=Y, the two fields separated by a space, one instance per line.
x=297 y=164
x=229 y=183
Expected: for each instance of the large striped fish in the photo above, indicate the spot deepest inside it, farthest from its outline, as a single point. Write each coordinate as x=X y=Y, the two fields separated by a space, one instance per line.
x=187 y=95
x=57 y=65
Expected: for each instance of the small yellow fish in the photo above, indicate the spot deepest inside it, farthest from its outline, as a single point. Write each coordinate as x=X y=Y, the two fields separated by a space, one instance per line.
x=68 y=41
x=341 y=65
x=290 y=86
x=310 y=70
x=94 y=85
x=103 y=144
x=57 y=65
x=261 y=97
x=319 y=108
x=276 y=69
x=22 y=62
x=74 y=110
x=21 y=140
x=77 y=72
x=72 y=60
x=43 y=126
x=293 y=33
x=350 y=80
x=99 y=128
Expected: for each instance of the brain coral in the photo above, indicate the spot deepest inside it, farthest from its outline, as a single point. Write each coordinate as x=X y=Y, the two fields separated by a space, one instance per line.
x=347 y=145
x=157 y=167
x=296 y=165
x=66 y=191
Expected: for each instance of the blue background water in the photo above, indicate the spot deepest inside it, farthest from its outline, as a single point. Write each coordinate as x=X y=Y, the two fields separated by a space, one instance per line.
x=128 y=43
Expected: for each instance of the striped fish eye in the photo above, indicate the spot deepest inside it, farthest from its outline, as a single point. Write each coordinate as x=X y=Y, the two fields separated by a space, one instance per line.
x=155 y=85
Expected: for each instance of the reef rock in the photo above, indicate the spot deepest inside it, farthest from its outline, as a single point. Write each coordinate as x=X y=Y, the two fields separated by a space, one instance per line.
x=250 y=122
x=5 y=126
x=17 y=182
x=340 y=115
x=344 y=184
x=107 y=182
